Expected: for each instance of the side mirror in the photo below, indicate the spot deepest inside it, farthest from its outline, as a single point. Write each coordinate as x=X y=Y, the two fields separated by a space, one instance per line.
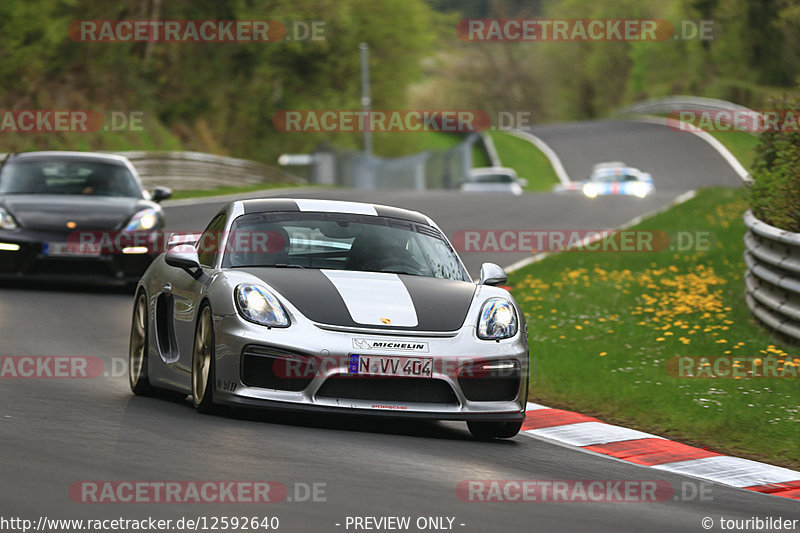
x=492 y=274
x=185 y=257
x=160 y=194
x=522 y=182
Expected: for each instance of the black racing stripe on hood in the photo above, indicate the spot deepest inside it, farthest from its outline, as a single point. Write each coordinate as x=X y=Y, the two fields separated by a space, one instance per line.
x=261 y=205
x=441 y=304
x=310 y=291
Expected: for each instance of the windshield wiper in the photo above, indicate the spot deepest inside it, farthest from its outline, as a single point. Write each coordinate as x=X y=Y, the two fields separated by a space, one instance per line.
x=406 y=272
x=287 y=265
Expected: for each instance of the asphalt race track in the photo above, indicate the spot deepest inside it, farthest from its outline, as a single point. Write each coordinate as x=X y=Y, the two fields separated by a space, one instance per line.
x=677 y=160
x=58 y=432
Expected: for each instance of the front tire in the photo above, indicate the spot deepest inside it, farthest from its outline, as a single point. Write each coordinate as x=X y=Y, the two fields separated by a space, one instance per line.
x=494 y=430
x=138 y=348
x=203 y=363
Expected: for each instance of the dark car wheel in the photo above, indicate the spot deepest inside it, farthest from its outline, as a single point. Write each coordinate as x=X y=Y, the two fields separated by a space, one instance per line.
x=494 y=430
x=203 y=363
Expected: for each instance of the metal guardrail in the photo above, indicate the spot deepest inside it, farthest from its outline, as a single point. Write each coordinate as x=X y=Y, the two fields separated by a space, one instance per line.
x=197 y=170
x=772 y=278
x=678 y=103
x=491 y=150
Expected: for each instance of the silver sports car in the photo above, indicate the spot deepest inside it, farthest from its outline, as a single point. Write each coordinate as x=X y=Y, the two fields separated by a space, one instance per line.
x=331 y=306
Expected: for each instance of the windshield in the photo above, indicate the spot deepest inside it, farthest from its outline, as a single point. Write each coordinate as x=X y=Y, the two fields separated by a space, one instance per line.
x=340 y=241
x=491 y=178
x=91 y=178
x=610 y=176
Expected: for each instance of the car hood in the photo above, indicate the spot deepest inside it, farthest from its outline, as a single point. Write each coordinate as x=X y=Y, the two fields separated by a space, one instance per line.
x=372 y=299
x=52 y=212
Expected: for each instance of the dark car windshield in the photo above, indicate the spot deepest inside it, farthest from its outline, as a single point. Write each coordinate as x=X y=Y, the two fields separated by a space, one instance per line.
x=68 y=177
x=491 y=178
x=340 y=241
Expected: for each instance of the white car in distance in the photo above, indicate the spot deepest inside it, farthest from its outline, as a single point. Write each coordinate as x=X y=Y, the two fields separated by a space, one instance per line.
x=495 y=180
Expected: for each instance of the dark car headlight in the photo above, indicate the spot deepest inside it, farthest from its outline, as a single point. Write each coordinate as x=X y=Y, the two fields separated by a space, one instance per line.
x=498 y=320
x=257 y=304
x=145 y=219
x=6 y=220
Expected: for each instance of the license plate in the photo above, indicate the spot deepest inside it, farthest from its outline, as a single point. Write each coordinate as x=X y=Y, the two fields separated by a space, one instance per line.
x=66 y=249
x=381 y=365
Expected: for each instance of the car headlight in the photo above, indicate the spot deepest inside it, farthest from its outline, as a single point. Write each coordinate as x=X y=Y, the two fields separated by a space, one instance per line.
x=589 y=190
x=257 y=304
x=498 y=320
x=6 y=220
x=640 y=189
x=143 y=220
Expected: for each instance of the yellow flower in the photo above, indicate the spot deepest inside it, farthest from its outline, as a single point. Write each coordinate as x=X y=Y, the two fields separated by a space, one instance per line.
x=602 y=354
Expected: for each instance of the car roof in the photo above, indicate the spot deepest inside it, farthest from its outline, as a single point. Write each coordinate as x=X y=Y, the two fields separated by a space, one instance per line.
x=479 y=171
x=82 y=156
x=260 y=205
x=609 y=164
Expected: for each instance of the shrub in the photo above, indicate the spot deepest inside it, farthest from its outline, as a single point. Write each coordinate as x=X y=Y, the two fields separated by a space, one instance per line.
x=775 y=192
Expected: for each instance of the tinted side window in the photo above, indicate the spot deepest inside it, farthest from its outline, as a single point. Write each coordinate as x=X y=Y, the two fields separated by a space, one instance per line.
x=208 y=245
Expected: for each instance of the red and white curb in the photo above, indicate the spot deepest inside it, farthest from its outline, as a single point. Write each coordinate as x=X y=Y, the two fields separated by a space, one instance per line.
x=645 y=449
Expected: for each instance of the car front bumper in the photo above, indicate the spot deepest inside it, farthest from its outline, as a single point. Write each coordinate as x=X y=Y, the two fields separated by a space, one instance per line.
x=26 y=255
x=306 y=367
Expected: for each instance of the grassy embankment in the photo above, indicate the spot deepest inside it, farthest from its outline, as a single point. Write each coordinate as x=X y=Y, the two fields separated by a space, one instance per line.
x=604 y=324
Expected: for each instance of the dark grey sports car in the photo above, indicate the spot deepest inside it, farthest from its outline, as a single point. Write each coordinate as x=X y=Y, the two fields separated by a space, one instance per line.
x=76 y=215
x=331 y=306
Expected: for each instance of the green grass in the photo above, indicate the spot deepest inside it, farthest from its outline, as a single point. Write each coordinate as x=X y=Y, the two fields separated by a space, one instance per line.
x=529 y=162
x=219 y=191
x=603 y=325
x=151 y=136
x=403 y=143
x=739 y=143
x=480 y=158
